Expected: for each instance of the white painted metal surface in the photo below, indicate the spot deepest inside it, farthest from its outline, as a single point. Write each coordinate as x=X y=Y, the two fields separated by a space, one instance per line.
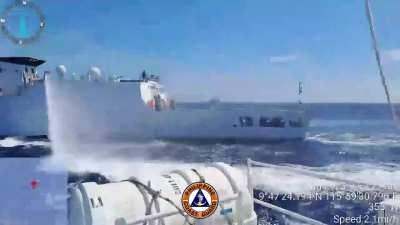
x=128 y=203
x=104 y=110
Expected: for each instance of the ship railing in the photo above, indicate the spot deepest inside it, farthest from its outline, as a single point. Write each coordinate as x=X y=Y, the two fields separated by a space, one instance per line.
x=293 y=215
x=235 y=197
x=148 y=219
x=351 y=183
x=157 y=216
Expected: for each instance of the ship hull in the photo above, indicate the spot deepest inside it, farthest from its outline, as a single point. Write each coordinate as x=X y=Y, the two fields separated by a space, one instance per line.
x=24 y=114
x=81 y=109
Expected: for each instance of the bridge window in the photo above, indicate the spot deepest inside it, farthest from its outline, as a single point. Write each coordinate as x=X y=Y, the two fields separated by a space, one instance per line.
x=246 y=121
x=271 y=122
x=296 y=123
x=264 y=122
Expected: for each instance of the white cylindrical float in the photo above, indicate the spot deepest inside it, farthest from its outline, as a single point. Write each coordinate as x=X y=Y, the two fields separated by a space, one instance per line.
x=130 y=202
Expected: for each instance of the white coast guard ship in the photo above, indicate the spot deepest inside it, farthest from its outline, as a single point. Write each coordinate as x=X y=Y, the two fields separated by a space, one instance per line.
x=120 y=108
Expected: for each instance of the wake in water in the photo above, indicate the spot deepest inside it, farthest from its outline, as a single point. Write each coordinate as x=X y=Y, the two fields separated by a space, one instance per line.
x=302 y=179
x=382 y=141
x=24 y=147
x=335 y=150
x=10 y=142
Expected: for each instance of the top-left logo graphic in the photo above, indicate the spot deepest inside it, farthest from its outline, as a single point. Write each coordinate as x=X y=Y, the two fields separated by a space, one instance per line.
x=22 y=22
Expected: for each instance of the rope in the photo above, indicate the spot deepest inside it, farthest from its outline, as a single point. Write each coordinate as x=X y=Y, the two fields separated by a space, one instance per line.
x=201 y=178
x=146 y=201
x=157 y=194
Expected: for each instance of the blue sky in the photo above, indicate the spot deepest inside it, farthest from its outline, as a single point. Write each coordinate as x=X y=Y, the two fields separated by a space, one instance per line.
x=237 y=50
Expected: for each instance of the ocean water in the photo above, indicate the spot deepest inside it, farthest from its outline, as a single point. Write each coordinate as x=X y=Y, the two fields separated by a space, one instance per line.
x=338 y=133
x=357 y=142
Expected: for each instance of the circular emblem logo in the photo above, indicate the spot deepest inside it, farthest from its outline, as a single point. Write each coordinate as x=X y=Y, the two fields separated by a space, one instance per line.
x=200 y=200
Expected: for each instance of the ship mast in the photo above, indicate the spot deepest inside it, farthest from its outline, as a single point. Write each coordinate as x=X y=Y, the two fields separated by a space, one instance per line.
x=300 y=91
x=378 y=57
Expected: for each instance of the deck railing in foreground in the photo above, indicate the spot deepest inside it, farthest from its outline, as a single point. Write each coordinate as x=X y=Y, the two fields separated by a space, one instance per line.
x=275 y=208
